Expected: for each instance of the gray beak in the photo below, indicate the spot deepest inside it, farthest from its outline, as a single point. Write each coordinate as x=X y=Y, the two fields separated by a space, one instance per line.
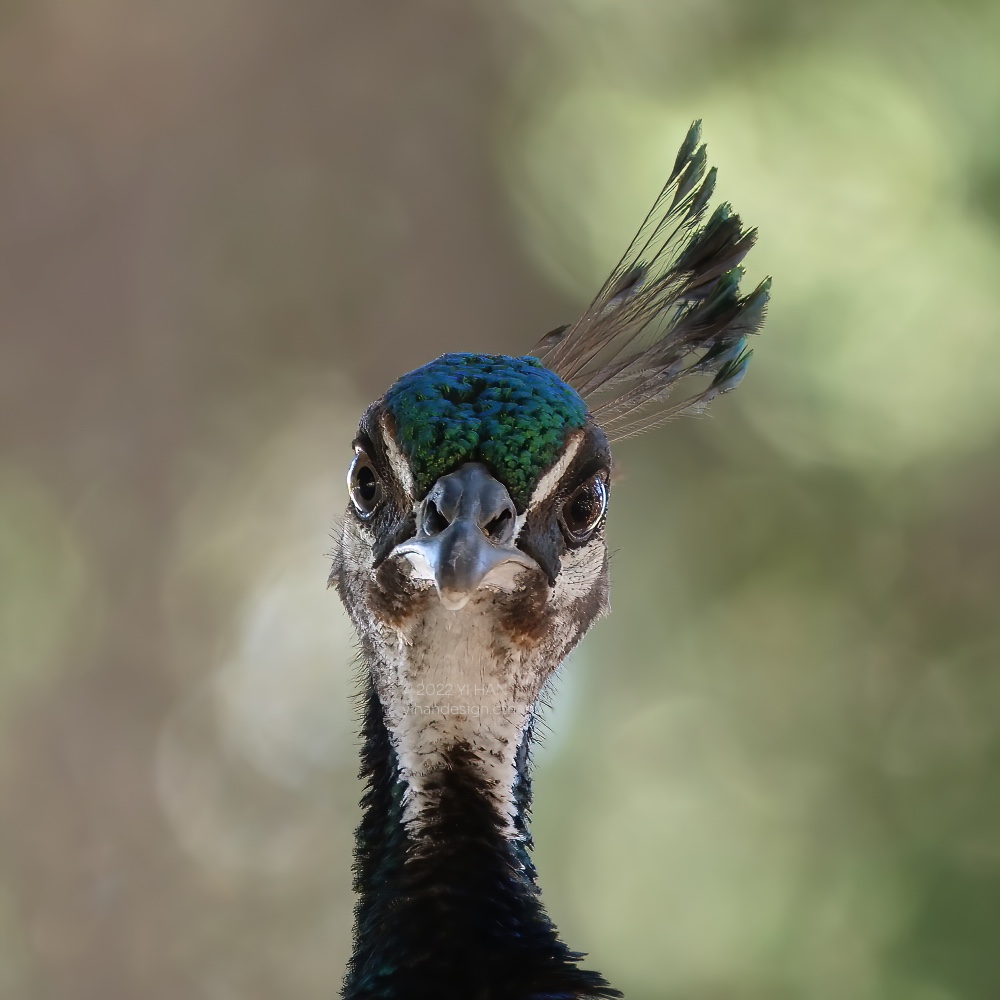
x=465 y=530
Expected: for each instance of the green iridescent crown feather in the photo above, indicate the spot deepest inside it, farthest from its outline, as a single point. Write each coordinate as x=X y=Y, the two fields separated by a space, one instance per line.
x=511 y=414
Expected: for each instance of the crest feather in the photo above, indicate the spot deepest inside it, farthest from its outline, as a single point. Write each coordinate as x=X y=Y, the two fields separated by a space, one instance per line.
x=671 y=308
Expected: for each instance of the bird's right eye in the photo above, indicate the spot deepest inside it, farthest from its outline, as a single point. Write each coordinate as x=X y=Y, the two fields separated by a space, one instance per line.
x=364 y=485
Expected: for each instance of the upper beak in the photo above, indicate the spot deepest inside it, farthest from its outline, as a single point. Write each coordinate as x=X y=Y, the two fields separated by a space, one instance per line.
x=465 y=530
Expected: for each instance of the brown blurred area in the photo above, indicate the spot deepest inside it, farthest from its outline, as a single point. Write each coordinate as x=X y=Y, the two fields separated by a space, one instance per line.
x=225 y=228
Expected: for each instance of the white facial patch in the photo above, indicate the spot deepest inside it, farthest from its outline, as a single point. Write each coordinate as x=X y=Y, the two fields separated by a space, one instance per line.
x=504 y=577
x=397 y=460
x=551 y=479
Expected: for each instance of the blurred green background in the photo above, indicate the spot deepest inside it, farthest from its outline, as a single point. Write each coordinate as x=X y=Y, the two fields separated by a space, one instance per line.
x=774 y=772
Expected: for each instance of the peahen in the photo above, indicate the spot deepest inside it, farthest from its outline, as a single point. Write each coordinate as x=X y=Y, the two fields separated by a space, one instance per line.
x=472 y=559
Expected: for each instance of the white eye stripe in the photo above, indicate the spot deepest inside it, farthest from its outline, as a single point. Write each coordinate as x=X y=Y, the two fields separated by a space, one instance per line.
x=397 y=460
x=547 y=484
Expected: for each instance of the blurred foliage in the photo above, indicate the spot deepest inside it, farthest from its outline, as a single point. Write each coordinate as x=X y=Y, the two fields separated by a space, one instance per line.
x=47 y=600
x=774 y=771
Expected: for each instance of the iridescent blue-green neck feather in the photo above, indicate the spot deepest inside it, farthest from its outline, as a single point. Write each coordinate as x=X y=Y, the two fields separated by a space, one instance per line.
x=512 y=414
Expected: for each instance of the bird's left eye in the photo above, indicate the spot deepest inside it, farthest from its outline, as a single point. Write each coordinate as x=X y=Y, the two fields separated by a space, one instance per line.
x=364 y=485
x=584 y=509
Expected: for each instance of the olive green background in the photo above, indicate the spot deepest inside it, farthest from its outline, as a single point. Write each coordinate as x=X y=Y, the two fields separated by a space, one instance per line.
x=774 y=771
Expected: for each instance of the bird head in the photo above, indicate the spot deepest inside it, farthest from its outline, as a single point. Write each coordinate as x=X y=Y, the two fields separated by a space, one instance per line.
x=478 y=490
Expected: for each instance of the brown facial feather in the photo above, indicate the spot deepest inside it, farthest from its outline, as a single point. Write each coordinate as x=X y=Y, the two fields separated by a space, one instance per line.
x=393 y=599
x=524 y=616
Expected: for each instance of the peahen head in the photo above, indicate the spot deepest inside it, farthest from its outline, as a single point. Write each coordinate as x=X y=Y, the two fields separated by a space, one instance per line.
x=472 y=559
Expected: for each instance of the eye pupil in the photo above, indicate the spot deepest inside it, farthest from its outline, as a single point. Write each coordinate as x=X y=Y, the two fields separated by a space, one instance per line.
x=585 y=508
x=367 y=484
x=582 y=508
x=364 y=485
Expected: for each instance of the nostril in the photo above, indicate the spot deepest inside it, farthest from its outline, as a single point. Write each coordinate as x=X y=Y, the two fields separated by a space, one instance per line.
x=433 y=521
x=498 y=526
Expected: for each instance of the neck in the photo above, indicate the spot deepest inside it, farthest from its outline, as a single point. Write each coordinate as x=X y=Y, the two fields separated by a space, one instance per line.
x=449 y=906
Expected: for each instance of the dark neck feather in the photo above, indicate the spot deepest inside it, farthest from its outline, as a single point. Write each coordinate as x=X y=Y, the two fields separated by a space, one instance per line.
x=457 y=916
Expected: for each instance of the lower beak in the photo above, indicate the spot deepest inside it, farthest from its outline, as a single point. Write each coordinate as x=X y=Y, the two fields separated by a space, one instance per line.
x=465 y=532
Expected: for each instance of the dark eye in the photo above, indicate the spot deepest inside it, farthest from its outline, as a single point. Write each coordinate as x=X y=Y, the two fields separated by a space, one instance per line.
x=364 y=485
x=584 y=510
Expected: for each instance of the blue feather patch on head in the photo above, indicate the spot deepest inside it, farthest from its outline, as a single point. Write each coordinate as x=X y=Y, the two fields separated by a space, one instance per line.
x=511 y=414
